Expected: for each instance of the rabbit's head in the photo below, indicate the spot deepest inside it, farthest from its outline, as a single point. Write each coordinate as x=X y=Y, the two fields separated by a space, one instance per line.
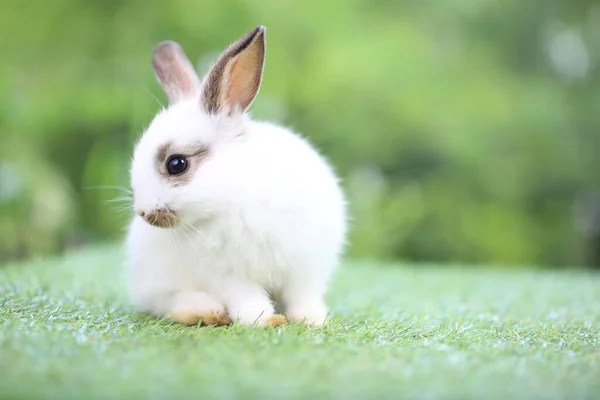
x=182 y=161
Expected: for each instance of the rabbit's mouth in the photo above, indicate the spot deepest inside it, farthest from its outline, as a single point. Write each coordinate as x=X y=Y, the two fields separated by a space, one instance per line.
x=161 y=218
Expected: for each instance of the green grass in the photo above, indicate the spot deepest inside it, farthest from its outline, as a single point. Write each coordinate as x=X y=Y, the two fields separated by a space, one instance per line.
x=67 y=331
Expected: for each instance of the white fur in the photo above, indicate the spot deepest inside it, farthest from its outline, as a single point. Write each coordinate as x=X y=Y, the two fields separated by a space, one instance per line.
x=264 y=219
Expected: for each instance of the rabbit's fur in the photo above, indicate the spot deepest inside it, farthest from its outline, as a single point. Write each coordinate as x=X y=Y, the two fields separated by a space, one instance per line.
x=257 y=218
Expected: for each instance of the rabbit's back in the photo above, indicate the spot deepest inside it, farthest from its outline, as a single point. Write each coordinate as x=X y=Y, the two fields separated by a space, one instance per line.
x=292 y=196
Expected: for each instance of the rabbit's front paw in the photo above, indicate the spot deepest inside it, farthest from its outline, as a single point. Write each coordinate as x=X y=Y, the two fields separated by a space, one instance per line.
x=192 y=308
x=255 y=308
x=258 y=318
x=193 y=317
x=275 y=320
x=313 y=314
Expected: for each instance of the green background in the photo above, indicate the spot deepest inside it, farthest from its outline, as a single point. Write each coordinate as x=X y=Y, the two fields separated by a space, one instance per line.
x=464 y=131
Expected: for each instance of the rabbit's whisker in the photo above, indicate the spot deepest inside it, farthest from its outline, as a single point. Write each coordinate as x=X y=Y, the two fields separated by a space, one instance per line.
x=153 y=96
x=121 y=188
x=189 y=239
x=119 y=199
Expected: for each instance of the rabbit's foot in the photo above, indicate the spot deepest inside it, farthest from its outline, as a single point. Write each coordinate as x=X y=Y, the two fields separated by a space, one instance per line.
x=193 y=308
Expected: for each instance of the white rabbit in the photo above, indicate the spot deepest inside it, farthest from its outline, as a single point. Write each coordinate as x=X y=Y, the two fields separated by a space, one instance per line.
x=233 y=216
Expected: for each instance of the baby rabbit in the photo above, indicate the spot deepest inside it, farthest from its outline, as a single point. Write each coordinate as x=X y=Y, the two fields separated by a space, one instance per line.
x=233 y=216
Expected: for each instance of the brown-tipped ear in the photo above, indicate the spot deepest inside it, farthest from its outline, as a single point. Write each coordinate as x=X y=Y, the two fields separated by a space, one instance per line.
x=234 y=80
x=175 y=72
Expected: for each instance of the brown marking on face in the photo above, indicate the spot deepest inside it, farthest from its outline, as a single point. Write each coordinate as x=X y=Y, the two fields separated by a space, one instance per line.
x=195 y=153
x=162 y=218
x=175 y=72
x=235 y=79
x=163 y=152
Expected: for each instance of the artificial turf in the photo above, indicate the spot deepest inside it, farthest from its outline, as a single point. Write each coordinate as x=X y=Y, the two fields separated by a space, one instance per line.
x=397 y=331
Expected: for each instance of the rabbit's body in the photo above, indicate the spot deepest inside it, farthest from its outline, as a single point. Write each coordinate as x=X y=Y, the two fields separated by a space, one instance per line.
x=258 y=216
x=277 y=221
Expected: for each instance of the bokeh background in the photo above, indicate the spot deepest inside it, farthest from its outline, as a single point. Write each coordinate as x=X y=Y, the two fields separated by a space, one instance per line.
x=465 y=131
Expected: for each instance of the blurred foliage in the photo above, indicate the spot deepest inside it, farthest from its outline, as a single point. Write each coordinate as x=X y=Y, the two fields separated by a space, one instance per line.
x=464 y=130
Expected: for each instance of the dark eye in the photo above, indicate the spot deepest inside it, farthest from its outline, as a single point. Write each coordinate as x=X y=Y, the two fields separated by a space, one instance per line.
x=177 y=165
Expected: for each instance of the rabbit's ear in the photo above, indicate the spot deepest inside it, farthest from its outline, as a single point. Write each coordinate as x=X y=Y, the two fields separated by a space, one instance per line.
x=234 y=80
x=175 y=72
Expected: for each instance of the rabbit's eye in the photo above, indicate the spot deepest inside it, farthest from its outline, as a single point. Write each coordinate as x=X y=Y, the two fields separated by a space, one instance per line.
x=177 y=165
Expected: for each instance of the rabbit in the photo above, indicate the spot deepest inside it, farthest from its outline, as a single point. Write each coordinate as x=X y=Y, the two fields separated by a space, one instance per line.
x=233 y=217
